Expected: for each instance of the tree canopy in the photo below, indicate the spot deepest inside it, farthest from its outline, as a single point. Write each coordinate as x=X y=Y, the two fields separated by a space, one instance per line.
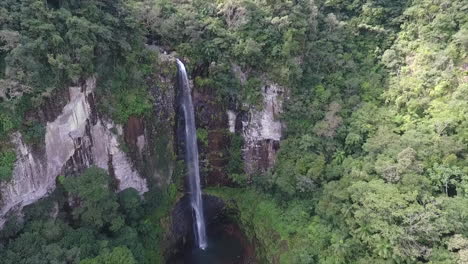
x=373 y=166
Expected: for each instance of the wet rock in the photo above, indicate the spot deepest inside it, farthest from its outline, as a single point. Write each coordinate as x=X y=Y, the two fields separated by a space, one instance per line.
x=182 y=218
x=211 y=116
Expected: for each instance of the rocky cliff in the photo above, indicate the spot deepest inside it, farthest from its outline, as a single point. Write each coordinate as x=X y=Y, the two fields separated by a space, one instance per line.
x=262 y=130
x=76 y=139
x=260 y=127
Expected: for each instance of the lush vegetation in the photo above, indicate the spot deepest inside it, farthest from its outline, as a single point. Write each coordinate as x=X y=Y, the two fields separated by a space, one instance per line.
x=46 y=46
x=281 y=232
x=373 y=167
x=7 y=159
x=85 y=221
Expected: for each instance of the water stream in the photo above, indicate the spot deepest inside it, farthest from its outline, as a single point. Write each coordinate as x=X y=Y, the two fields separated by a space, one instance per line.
x=191 y=158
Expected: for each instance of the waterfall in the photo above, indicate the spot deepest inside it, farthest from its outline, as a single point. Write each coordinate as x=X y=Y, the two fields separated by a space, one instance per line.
x=191 y=158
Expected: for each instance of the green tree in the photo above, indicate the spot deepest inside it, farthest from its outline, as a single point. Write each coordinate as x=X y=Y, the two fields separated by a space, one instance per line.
x=94 y=203
x=118 y=255
x=7 y=162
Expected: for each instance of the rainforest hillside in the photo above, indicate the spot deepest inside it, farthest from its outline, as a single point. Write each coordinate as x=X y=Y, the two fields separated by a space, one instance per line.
x=372 y=165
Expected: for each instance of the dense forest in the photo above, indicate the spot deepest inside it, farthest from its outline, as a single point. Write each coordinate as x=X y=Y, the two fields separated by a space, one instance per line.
x=373 y=164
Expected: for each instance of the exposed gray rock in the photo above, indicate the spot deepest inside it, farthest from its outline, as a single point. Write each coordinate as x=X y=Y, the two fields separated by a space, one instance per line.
x=262 y=130
x=231 y=121
x=75 y=140
x=30 y=180
x=260 y=127
x=264 y=124
x=107 y=155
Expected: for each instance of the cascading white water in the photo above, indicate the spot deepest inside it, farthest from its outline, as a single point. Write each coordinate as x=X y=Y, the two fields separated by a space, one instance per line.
x=191 y=158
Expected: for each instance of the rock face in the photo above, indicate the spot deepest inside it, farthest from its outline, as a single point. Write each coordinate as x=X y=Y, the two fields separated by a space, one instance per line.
x=213 y=151
x=262 y=130
x=259 y=126
x=159 y=130
x=75 y=140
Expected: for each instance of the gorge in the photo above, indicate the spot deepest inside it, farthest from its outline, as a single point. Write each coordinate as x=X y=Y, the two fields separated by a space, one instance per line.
x=233 y=131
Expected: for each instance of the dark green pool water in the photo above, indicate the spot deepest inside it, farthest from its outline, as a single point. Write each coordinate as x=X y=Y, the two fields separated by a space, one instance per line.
x=226 y=245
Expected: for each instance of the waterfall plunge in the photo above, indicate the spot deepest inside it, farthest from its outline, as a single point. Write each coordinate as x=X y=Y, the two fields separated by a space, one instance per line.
x=191 y=158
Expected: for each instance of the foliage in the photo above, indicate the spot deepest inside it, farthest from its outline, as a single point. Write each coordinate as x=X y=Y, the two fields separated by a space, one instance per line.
x=373 y=167
x=376 y=118
x=84 y=221
x=157 y=222
x=263 y=218
x=118 y=255
x=46 y=46
x=49 y=45
x=7 y=162
x=124 y=90
x=202 y=136
x=6 y=123
x=96 y=204
x=235 y=164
